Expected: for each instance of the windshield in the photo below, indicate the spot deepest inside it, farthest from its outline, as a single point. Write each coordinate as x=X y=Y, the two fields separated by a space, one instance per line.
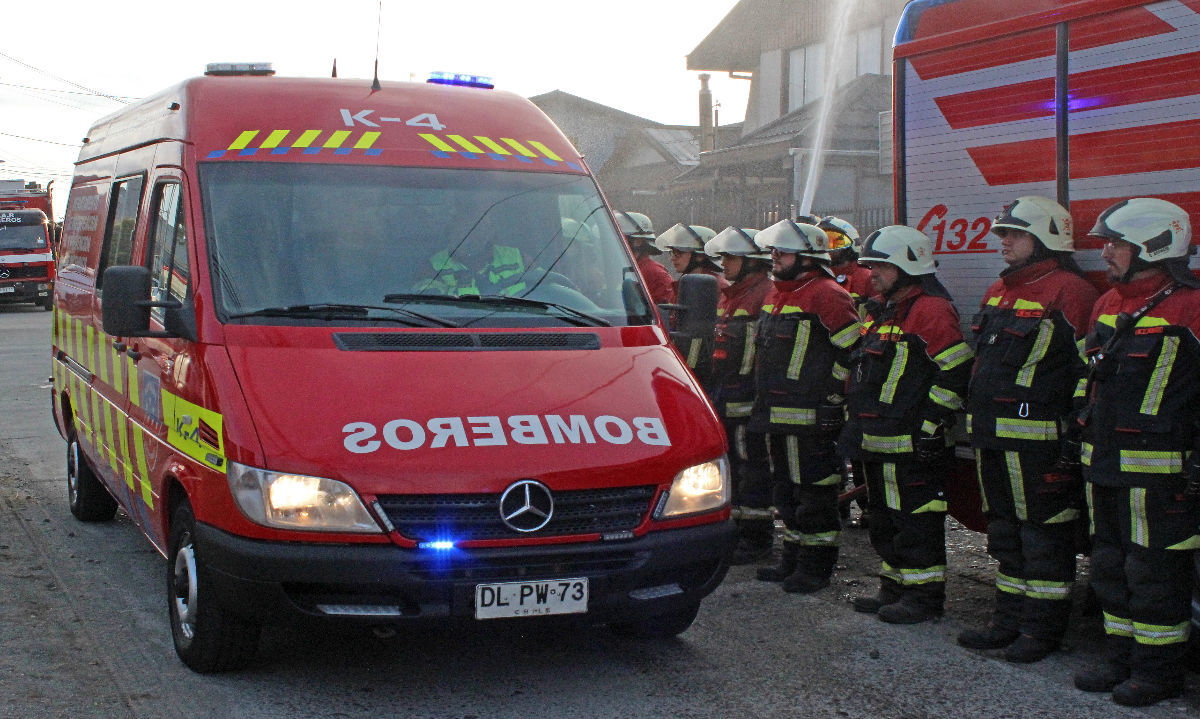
x=307 y=243
x=23 y=237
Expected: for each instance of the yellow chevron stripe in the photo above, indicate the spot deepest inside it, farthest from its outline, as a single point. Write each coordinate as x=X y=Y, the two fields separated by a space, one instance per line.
x=493 y=145
x=306 y=139
x=436 y=141
x=545 y=150
x=336 y=139
x=465 y=144
x=274 y=139
x=517 y=146
x=367 y=139
x=243 y=140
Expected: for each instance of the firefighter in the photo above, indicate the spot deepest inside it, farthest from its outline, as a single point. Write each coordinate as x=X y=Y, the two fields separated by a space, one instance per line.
x=805 y=332
x=1141 y=449
x=477 y=270
x=639 y=233
x=731 y=387
x=908 y=378
x=1026 y=372
x=844 y=246
x=686 y=245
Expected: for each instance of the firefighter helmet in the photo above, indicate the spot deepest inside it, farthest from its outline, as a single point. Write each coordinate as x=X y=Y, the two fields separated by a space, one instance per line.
x=1041 y=217
x=635 y=225
x=1158 y=230
x=736 y=241
x=796 y=238
x=908 y=249
x=842 y=234
x=684 y=238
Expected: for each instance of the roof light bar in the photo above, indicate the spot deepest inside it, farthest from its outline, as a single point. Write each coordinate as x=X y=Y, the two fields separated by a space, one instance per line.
x=455 y=78
x=239 y=68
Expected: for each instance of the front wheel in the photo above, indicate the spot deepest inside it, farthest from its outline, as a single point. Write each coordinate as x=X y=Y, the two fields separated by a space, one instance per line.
x=661 y=626
x=207 y=637
x=86 y=495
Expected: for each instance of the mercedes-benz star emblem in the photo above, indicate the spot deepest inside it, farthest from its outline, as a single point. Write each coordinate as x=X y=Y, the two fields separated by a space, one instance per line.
x=526 y=506
x=4 y=274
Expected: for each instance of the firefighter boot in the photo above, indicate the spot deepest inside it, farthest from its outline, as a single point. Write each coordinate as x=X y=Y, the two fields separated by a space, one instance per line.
x=1114 y=670
x=1001 y=630
x=920 y=603
x=889 y=593
x=1138 y=693
x=1028 y=649
x=755 y=537
x=814 y=569
x=787 y=565
x=1043 y=624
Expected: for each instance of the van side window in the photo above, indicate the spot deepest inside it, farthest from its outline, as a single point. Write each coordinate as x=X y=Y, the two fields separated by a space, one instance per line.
x=122 y=221
x=168 y=247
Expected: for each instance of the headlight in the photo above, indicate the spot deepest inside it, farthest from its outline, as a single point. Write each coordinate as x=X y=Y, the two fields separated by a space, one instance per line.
x=700 y=488
x=294 y=501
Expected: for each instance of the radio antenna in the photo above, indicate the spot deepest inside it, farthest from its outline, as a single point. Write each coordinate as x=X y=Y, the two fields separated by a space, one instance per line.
x=378 y=24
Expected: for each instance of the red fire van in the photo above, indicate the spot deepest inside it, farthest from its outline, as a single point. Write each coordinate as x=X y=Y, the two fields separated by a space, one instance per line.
x=375 y=355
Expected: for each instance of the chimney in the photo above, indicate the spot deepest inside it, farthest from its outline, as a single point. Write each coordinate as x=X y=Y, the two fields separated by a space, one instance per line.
x=707 y=139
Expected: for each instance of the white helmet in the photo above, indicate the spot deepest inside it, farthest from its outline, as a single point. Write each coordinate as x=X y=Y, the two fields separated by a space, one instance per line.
x=686 y=238
x=736 y=241
x=1160 y=230
x=797 y=238
x=635 y=225
x=842 y=234
x=1041 y=217
x=908 y=249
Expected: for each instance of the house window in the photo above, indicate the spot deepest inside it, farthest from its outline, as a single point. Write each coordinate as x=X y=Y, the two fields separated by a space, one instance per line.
x=806 y=75
x=861 y=53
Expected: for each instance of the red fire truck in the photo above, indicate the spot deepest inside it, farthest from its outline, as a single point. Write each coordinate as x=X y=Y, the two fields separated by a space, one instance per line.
x=26 y=250
x=376 y=355
x=1084 y=101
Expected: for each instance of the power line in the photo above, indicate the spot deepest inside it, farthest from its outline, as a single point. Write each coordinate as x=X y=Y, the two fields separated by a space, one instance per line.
x=64 y=80
x=35 y=139
x=65 y=92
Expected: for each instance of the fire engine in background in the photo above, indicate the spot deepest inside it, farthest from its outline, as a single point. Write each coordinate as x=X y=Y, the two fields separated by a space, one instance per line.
x=453 y=399
x=1086 y=101
x=26 y=243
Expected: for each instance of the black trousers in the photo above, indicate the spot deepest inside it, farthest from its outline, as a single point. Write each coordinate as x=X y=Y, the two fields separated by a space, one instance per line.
x=908 y=528
x=750 y=467
x=806 y=476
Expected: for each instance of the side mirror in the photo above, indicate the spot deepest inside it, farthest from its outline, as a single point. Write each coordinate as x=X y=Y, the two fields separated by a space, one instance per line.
x=695 y=309
x=126 y=304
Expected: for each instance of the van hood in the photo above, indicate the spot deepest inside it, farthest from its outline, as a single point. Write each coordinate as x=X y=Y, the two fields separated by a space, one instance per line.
x=392 y=422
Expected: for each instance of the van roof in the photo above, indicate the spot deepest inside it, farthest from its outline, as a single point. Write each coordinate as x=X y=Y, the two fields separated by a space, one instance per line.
x=337 y=120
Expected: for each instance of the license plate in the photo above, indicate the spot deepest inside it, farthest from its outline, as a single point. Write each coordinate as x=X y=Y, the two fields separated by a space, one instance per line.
x=531 y=599
x=7 y=289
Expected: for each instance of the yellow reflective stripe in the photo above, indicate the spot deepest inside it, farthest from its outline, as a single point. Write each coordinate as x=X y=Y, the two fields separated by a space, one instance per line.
x=993 y=301
x=436 y=141
x=367 y=140
x=1117 y=626
x=80 y=351
x=928 y=575
x=118 y=380
x=790 y=310
x=803 y=332
x=493 y=145
x=832 y=479
x=1091 y=507
x=953 y=356
x=1010 y=585
x=1043 y=589
x=465 y=144
x=1151 y=462
x=80 y=398
x=1192 y=542
x=134 y=392
x=936 y=506
x=820 y=539
x=274 y=139
x=1085 y=454
x=1110 y=320
x=753 y=513
x=123 y=431
x=1160 y=634
x=767 y=309
x=693 y=357
x=545 y=150
x=793 y=458
x=929 y=427
x=888 y=394
x=968 y=423
x=1148 y=321
x=840 y=373
x=183 y=430
x=748 y=349
x=1067 y=515
x=243 y=140
x=108 y=415
x=89 y=354
x=891 y=488
x=793 y=415
x=1034 y=429
x=945 y=398
x=979 y=476
x=847 y=336
x=336 y=139
x=741 y=312
x=888 y=572
x=791 y=536
x=1162 y=373
x=1022 y=304
x=517 y=146
x=738 y=409
x=887 y=445
x=1040 y=344
x=1139 y=523
x=1081 y=388
x=306 y=139
x=139 y=450
x=1016 y=481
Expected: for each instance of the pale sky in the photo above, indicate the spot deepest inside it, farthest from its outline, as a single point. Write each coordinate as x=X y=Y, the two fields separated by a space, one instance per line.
x=628 y=54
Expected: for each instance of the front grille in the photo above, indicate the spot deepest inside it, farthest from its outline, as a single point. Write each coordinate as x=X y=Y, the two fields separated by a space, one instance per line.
x=465 y=517
x=22 y=273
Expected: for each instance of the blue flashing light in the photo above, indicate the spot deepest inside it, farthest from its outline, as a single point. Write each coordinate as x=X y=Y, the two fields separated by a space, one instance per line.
x=456 y=78
x=438 y=546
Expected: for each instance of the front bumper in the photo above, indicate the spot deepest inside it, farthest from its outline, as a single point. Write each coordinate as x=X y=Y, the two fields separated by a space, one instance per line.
x=30 y=291
x=655 y=574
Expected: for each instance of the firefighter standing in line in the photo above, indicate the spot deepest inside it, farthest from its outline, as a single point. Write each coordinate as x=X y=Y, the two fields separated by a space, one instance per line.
x=639 y=233
x=1026 y=372
x=686 y=245
x=805 y=332
x=908 y=379
x=1141 y=450
x=731 y=387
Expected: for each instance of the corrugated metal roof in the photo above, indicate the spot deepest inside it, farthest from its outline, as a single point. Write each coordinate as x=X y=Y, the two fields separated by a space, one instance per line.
x=681 y=145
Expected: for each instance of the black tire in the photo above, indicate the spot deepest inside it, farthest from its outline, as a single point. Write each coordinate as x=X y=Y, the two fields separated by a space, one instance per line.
x=662 y=626
x=87 y=496
x=208 y=638
x=48 y=304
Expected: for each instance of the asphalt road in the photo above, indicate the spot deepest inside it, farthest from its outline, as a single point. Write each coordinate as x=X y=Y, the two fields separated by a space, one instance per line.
x=84 y=632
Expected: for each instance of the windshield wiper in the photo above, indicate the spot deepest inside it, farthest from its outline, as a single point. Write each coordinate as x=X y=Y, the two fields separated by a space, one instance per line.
x=331 y=310
x=573 y=315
